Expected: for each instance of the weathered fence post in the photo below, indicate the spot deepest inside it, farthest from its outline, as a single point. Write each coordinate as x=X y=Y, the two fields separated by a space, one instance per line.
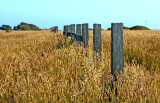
x=69 y=30
x=65 y=30
x=79 y=33
x=116 y=49
x=73 y=28
x=85 y=34
x=73 y=32
x=97 y=38
x=56 y=29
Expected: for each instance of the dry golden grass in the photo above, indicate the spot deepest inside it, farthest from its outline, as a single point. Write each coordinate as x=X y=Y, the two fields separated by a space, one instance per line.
x=39 y=66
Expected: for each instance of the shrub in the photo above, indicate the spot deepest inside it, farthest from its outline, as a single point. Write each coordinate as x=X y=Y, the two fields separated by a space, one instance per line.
x=5 y=27
x=25 y=26
x=126 y=28
x=138 y=27
x=8 y=31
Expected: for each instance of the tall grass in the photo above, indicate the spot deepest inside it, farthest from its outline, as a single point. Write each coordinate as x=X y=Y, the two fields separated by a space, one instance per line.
x=39 y=66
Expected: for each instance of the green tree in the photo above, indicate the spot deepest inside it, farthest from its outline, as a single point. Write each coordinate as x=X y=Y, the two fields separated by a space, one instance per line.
x=15 y=28
x=5 y=27
x=126 y=28
x=26 y=26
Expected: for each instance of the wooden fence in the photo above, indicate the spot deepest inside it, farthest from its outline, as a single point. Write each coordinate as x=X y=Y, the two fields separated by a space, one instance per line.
x=82 y=35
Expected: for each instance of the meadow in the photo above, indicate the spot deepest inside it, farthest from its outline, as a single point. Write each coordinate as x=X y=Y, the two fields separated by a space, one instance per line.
x=41 y=66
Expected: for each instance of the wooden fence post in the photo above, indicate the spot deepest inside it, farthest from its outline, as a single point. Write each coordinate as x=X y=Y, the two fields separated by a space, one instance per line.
x=97 y=38
x=69 y=29
x=116 y=49
x=73 y=28
x=56 y=29
x=65 y=30
x=79 y=31
x=73 y=32
x=85 y=34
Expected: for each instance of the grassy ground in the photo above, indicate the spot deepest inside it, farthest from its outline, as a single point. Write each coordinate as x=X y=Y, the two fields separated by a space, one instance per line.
x=39 y=66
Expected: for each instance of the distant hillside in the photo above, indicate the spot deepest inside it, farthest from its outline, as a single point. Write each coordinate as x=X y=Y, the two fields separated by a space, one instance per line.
x=137 y=27
x=26 y=26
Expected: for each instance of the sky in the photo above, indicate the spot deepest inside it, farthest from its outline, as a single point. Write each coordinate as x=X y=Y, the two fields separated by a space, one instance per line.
x=49 y=13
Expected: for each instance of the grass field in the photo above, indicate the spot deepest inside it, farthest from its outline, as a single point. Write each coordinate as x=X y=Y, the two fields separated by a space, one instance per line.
x=40 y=66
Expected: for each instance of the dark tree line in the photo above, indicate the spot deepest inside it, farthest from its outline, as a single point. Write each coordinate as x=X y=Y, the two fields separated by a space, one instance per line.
x=21 y=26
x=5 y=27
x=26 y=26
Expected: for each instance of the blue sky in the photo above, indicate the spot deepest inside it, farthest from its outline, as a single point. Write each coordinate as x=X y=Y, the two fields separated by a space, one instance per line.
x=49 y=13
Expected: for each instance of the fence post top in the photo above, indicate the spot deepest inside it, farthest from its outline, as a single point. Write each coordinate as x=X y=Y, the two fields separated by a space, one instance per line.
x=96 y=24
x=85 y=23
x=117 y=23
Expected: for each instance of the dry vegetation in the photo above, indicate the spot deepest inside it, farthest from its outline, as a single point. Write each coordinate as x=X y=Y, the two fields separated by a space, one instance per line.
x=39 y=66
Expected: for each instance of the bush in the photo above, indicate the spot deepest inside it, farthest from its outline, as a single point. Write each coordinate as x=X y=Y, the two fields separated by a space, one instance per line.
x=138 y=27
x=8 y=31
x=109 y=29
x=15 y=28
x=5 y=27
x=25 y=26
x=126 y=28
